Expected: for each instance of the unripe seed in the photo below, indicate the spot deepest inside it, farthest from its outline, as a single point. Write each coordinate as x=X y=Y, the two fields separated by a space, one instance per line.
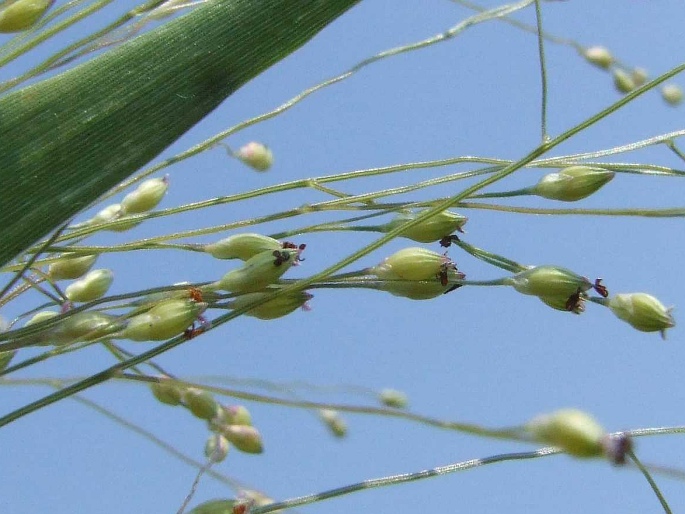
x=41 y=316
x=271 y=309
x=574 y=431
x=71 y=266
x=623 y=82
x=91 y=287
x=259 y=271
x=215 y=507
x=335 y=423
x=442 y=224
x=233 y=415
x=22 y=14
x=599 y=56
x=642 y=311
x=573 y=304
x=216 y=448
x=393 y=398
x=242 y=246
x=84 y=326
x=167 y=391
x=572 y=183
x=548 y=281
x=200 y=403
x=421 y=289
x=245 y=438
x=165 y=320
x=110 y=213
x=43 y=337
x=411 y=264
x=256 y=155
x=146 y=196
x=639 y=76
x=672 y=94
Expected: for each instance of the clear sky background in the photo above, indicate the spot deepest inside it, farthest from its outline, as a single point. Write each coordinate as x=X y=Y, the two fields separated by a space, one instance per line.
x=484 y=355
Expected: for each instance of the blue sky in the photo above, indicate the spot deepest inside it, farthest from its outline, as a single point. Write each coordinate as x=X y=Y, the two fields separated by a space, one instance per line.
x=483 y=355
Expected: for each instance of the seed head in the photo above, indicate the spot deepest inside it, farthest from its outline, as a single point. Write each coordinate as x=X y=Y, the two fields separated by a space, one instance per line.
x=411 y=264
x=71 y=266
x=242 y=246
x=245 y=438
x=91 y=287
x=167 y=391
x=572 y=183
x=433 y=229
x=623 y=82
x=146 y=196
x=672 y=94
x=642 y=311
x=549 y=282
x=259 y=271
x=334 y=421
x=233 y=415
x=639 y=76
x=271 y=309
x=393 y=398
x=22 y=14
x=84 y=326
x=599 y=56
x=572 y=430
x=216 y=448
x=256 y=155
x=166 y=319
x=200 y=403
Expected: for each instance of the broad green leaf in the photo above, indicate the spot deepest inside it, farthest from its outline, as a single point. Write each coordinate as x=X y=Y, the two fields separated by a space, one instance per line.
x=68 y=139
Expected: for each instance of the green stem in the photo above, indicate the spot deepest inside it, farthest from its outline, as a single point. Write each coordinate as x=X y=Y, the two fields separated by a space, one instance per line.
x=491 y=258
x=116 y=370
x=646 y=213
x=56 y=59
x=47 y=34
x=402 y=479
x=469 y=428
x=484 y=16
x=652 y=483
x=505 y=194
x=149 y=436
x=543 y=71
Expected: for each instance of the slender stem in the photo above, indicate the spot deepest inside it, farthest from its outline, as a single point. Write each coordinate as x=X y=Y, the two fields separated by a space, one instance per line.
x=447 y=35
x=646 y=213
x=233 y=484
x=652 y=483
x=491 y=258
x=27 y=265
x=57 y=60
x=402 y=479
x=543 y=71
x=672 y=146
x=504 y=194
x=469 y=428
x=47 y=34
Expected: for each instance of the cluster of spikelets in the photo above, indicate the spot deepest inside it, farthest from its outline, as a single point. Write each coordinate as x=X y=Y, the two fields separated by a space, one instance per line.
x=626 y=80
x=232 y=425
x=416 y=273
x=229 y=425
